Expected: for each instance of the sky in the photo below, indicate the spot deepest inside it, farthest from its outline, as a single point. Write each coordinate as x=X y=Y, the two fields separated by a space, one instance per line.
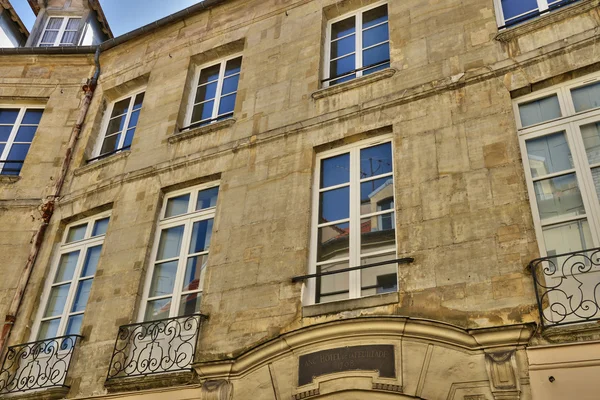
x=122 y=15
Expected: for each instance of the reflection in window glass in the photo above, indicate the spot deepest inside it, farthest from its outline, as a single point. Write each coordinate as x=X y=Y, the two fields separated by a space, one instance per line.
x=590 y=134
x=334 y=205
x=587 y=97
x=335 y=170
x=541 y=110
x=16 y=138
x=558 y=197
x=568 y=237
x=332 y=287
x=177 y=205
x=549 y=154
x=207 y=198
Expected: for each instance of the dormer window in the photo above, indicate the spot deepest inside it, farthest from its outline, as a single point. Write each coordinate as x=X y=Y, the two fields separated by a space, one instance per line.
x=60 y=31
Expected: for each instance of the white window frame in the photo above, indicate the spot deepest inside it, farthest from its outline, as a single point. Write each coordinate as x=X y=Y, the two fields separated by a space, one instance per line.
x=13 y=134
x=543 y=6
x=355 y=284
x=82 y=245
x=188 y=219
x=107 y=118
x=61 y=31
x=358 y=50
x=570 y=123
x=217 y=101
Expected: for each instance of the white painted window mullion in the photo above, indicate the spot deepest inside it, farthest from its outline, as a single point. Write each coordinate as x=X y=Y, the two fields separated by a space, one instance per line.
x=219 y=90
x=354 y=240
x=359 y=43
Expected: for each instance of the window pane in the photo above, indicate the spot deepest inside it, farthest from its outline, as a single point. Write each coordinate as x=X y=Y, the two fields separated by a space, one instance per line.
x=233 y=66
x=333 y=242
x=74 y=325
x=177 y=205
x=163 y=279
x=202 y=111
x=343 y=46
x=335 y=170
x=549 y=154
x=230 y=84
x=18 y=152
x=5 y=131
x=68 y=37
x=54 y=23
x=201 y=234
x=116 y=125
x=558 y=197
x=76 y=233
x=72 y=24
x=100 y=227
x=513 y=8
x=91 y=261
x=26 y=134
x=539 y=111
x=48 y=329
x=378 y=280
x=375 y=35
x=334 y=205
x=110 y=144
x=376 y=55
x=139 y=99
x=57 y=300
x=373 y=192
x=133 y=119
x=157 y=309
x=206 y=92
x=375 y=16
x=82 y=295
x=591 y=140
x=169 y=245
x=190 y=304
x=332 y=287
x=568 y=237
x=121 y=107
x=343 y=28
x=8 y=115
x=207 y=198
x=194 y=273
x=128 y=138
x=378 y=233
x=209 y=74
x=342 y=66
x=66 y=266
x=587 y=97
x=49 y=37
x=227 y=104
x=376 y=160
x=32 y=117
x=596 y=178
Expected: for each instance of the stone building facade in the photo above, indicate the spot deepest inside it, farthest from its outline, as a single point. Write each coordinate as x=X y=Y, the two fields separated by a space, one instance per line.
x=173 y=230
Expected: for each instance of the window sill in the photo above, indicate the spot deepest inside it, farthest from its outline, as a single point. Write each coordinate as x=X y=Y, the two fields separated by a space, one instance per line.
x=41 y=394
x=349 y=305
x=162 y=380
x=9 y=178
x=545 y=20
x=358 y=82
x=201 y=130
x=101 y=163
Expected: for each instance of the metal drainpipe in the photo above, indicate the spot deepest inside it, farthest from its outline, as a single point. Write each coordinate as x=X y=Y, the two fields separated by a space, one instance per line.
x=47 y=207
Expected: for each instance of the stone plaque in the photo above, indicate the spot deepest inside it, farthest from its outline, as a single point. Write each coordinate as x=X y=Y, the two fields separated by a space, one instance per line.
x=368 y=358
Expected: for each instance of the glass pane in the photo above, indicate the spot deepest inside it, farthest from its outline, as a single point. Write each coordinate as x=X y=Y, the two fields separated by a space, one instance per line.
x=120 y=107
x=207 y=198
x=374 y=193
x=201 y=234
x=82 y=295
x=177 y=205
x=596 y=178
x=334 y=205
x=18 y=152
x=116 y=125
x=539 y=111
x=128 y=138
x=133 y=119
x=549 y=154
x=376 y=160
x=190 y=304
x=375 y=35
x=206 y=92
x=73 y=24
x=591 y=140
x=68 y=37
x=76 y=233
x=333 y=242
x=74 y=325
x=48 y=329
x=157 y=309
x=233 y=66
x=587 y=97
x=194 y=273
x=49 y=37
x=378 y=233
x=343 y=28
x=376 y=55
x=335 y=170
x=5 y=131
x=57 y=300
x=203 y=111
x=209 y=74
x=163 y=279
x=343 y=46
x=54 y=23
x=169 y=245
x=91 y=261
x=342 y=66
x=375 y=16
x=227 y=104
x=100 y=227
x=110 y=144
x=230 y=84
x=8 y=115
x=25 y=134
x=378 y=280
x=568 y=237
x=514 y=8
x=558 y=197
x=32 y=117
x=66 y=267
x=139 y=99
x=332 y=287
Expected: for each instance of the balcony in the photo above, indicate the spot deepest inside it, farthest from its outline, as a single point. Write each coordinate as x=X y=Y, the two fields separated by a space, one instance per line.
x=37 y=365
x=567 y=287
x=155 y=347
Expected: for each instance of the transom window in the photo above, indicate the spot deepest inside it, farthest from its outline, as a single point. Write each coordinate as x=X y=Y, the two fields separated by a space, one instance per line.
x=67 y=293
x=511 y=12
x=353 y=223
x=357 y=44
x=17 y=130
x=215 y=92
x=120 y=125
x=560 y=141
x=175 y=280
x=60 y=31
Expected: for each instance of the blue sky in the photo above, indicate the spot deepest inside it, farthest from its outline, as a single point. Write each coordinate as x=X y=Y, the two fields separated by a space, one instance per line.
x=123 y=15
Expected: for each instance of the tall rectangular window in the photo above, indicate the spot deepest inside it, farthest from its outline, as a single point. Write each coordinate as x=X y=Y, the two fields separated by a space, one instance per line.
x=354 y=223
x=215 y=92
x=511 y=12
x=60 y=31
x=358 y=44
x=18 y=126
x=175 y=280
x=68 y=290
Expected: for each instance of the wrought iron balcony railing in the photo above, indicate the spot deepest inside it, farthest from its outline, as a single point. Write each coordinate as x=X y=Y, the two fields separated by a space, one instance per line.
x=154 y=347
x=567 y=287
x=37 y=365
